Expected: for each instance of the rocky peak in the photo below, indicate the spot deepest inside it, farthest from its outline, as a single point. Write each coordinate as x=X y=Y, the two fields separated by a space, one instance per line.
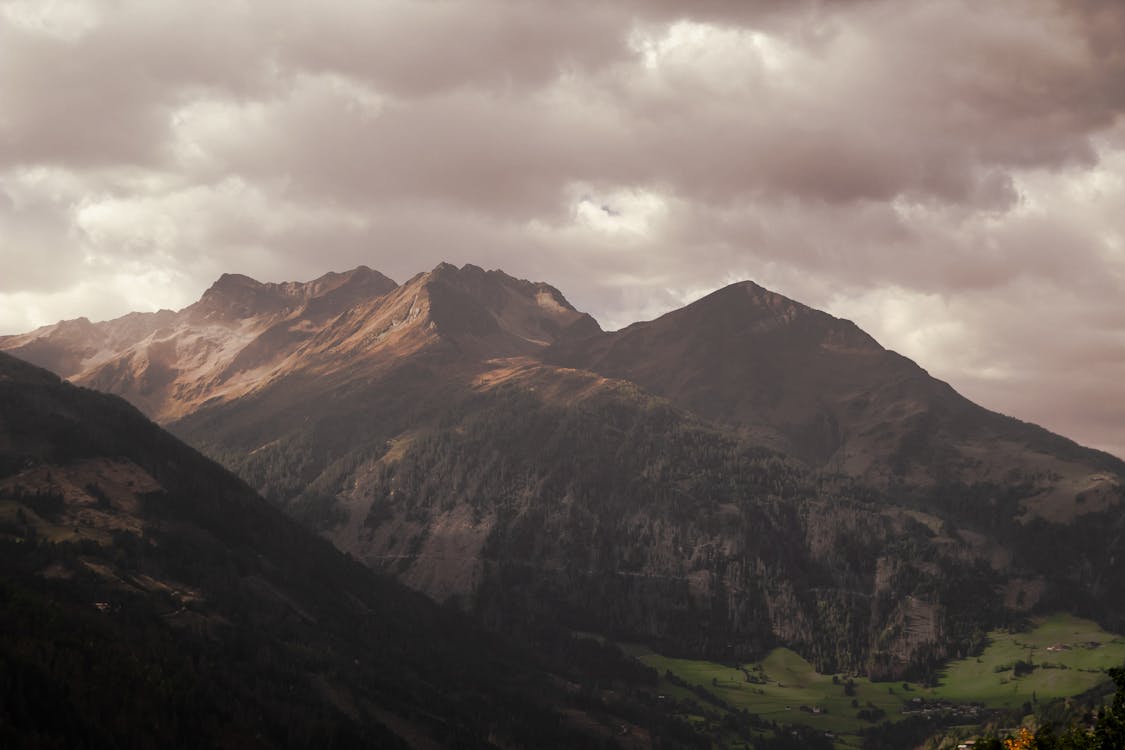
x=60 y=347
x=476 y=313
x=334 y=293
x=76 y=329
x=800 y=379
x=234 y=297
x=493 y=305
x=360 y=278
x=232 y=282
x=746 y=309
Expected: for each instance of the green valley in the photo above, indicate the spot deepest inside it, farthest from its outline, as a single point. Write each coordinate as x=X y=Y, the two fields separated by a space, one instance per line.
x=1057 y=657
x=1067 y=656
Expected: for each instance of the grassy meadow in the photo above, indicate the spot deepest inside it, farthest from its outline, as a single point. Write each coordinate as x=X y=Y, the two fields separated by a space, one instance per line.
x=1069 y=655
x=1077 y=667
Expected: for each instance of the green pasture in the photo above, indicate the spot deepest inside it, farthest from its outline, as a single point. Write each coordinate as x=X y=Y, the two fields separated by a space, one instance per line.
x=788 y=684
x=1077 y=666
x=777 y=687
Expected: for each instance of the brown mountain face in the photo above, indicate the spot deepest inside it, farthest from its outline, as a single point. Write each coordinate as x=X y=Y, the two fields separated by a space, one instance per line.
x=467 y=315
x=230 y=342
x=751 y=359
x=819 y=388
x=742 y=472
x=399 y=358
x=243 y=334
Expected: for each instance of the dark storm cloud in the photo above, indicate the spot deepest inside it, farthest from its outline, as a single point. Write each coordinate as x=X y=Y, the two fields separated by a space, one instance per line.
x=883 y=110
x=932 y=169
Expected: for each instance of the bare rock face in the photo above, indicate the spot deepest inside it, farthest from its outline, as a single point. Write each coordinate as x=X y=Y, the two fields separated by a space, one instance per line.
x=742 y=472
x=234 y=339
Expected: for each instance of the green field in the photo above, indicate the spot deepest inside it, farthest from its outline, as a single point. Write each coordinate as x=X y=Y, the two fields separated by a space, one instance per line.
x=779 y=686
x=1058 y=674
x=790 y=682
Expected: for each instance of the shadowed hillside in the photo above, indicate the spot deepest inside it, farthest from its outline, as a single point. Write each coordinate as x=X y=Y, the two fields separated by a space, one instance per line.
x=150 y=599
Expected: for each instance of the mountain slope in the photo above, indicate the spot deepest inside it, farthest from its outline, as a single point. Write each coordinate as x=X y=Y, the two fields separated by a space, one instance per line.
x=149 y=599
x=615 y=512
x=821 y=389
x=228 y=343
x=740 y=473
x=384 y=367
x=522 y=481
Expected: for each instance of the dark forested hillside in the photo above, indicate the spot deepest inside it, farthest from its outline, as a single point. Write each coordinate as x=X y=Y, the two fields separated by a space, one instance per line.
x=621 y=514
x=150 y=599
x=611 y=510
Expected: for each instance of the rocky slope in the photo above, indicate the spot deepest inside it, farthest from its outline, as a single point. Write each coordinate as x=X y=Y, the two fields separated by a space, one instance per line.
x=743 y=472
x=230 y=342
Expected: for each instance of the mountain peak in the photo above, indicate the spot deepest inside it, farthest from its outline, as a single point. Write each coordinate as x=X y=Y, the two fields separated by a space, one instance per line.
x=444 y=268
x=360 y=270
x=235 y=296
x=230 y=282
x=362 y=273
x=746 y=308
x=470 y=301
x=749 y=295
x=359 y=282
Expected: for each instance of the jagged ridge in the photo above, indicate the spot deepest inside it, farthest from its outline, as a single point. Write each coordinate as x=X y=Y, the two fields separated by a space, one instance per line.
x=479 y=438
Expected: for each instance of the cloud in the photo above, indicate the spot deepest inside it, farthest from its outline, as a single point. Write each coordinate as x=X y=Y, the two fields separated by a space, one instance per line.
x=933 y=169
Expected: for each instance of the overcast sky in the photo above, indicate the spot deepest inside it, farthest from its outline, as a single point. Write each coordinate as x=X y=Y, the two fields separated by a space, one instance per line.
x=950 y=175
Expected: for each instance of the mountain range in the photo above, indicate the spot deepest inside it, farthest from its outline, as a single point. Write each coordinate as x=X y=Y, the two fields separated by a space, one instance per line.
x=737 y=474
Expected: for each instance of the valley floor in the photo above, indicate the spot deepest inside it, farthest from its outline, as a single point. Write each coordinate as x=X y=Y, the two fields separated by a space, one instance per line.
x=1059 y=657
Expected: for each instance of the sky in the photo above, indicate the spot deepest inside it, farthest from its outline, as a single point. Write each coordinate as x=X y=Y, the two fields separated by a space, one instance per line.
x=949 y=174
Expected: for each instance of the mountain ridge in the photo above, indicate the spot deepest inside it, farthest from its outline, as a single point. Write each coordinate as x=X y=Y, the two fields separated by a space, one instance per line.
x=785 y=375
x=224 y=343
x=744 y=471
x=810 y=384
